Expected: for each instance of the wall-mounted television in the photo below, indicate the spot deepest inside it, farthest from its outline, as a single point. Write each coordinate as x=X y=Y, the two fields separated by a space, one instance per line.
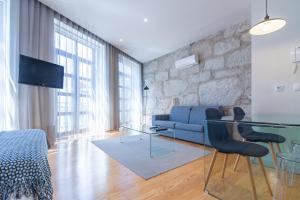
x=40 y=73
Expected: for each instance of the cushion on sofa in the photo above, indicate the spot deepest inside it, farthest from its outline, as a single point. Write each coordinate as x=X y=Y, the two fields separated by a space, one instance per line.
x=180 y=114
x=197 y=115
x=166 y=124
x=189 y=127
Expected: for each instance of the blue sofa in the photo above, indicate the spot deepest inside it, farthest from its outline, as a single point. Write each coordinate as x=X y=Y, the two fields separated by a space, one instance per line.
x=188 y=123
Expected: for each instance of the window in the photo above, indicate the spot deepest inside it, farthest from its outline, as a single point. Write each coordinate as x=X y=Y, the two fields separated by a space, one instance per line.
x=3 y=64
x=8 y=67
x=130 y=91
x=83 y=59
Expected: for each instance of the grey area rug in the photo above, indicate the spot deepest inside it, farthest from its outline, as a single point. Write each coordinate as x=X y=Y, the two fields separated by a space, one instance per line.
x=134 y=154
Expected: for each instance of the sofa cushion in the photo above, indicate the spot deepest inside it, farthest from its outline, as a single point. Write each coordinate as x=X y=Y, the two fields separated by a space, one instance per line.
x=180 y=114
x=166 y=124
x=189 y=127
x=197 y=115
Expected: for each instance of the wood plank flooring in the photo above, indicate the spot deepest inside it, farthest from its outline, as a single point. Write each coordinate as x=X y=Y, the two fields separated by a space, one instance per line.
x=81 y=171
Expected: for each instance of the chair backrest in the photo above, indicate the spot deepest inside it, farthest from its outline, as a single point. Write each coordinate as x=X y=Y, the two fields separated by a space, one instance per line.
x=197 y=115
x=239 y=112
x=217 y=131
x=244 y=129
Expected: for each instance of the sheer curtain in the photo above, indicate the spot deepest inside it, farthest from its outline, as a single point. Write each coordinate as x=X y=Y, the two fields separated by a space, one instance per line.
x=8 y=64
x=130 y=92
x=83 y=103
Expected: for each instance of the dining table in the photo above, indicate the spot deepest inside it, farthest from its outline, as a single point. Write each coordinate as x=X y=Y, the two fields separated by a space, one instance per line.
x=235 y=184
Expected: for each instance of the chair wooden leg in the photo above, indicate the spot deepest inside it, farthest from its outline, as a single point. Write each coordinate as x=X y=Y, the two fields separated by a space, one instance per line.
x=278 y=147
x=237 y=159
x=236 y=162
x=273 y=153
x=210 y=168
x=261 y=163
x=224 y=165
x=251 y=178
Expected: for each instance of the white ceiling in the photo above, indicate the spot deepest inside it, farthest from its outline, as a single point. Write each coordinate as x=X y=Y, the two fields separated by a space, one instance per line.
x=172 y=23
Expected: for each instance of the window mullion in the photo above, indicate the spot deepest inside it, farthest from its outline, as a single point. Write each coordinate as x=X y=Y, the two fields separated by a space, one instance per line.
x=76 y=89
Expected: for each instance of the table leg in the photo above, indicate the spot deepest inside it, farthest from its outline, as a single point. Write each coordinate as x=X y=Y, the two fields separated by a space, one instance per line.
x=150 y=145
x=174 y=140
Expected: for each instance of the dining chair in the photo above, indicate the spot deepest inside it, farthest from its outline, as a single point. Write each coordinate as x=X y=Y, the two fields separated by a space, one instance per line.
x=249 y=134
x=224 y=143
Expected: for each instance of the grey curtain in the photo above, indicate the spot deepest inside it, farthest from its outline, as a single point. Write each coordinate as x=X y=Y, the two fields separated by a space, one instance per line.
x=37 y=104
x=112 y=58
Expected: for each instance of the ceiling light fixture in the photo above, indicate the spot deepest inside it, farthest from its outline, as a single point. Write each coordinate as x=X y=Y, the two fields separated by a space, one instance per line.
x=268 y=25
x=145 y=19
x=121 y=40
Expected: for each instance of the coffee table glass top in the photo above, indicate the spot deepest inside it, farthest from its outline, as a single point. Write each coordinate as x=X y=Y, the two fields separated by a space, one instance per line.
x=157 y=145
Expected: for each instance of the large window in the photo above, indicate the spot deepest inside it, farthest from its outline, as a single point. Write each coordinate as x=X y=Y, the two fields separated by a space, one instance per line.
x=3 y=58
x=8 y=67
x=83 y=59
x=130 y=91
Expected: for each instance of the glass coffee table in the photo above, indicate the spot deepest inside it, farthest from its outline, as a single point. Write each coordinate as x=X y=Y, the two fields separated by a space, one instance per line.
x=157 y=144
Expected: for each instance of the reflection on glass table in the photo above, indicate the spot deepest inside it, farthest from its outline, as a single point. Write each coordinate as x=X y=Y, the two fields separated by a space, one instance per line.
x=158 y=145
x=230 y=179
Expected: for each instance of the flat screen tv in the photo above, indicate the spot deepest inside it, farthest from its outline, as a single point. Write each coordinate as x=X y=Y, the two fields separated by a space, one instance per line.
x=40 y=73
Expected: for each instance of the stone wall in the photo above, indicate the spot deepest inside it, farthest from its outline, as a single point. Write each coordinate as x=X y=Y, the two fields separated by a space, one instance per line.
x=223 y=76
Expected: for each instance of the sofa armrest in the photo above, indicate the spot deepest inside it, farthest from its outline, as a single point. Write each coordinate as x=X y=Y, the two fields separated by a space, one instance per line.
x=159 y=117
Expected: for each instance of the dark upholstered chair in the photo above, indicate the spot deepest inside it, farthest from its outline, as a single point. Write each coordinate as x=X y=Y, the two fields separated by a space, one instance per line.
x=223 y=142
x=250 y=135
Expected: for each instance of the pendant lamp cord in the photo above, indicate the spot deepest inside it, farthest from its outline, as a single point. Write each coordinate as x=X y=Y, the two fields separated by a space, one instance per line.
x=267 y=16
x=266 y=7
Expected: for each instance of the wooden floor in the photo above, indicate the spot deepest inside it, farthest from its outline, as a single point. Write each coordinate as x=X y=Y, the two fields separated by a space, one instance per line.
x=81 y=171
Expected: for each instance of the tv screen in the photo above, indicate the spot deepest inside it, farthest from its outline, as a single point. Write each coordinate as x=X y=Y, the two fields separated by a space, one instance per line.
x=41 y=73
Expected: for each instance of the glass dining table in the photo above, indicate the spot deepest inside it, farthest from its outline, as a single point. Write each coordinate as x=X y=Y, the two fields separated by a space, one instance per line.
x=233 y=183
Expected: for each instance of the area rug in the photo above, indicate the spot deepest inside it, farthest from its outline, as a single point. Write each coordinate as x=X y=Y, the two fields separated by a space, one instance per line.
x=133 y=153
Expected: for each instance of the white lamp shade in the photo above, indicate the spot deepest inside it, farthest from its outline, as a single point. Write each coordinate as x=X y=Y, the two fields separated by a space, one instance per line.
x=267 y=26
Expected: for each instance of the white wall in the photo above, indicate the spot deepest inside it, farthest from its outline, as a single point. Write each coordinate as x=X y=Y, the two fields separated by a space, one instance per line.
x=271 y=62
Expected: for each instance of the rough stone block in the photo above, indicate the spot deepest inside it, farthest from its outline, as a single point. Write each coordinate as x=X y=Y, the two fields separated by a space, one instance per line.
x=174 y=73
x=215 y=63
x=200 y=77
x=225 y=46
x=220 y=92
x=174 y=87
x=150 y=67
x=155 y=89
x=166 y=62
x=227 y=72
x=229 y=32
x=189 y=71
x=246 y=37
x=203 y=49
x=162 y=76
x=244 y=26
x=189 y=100
x=239 y=58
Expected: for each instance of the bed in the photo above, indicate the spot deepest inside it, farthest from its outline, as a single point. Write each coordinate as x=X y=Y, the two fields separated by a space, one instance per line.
x=24 y=168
